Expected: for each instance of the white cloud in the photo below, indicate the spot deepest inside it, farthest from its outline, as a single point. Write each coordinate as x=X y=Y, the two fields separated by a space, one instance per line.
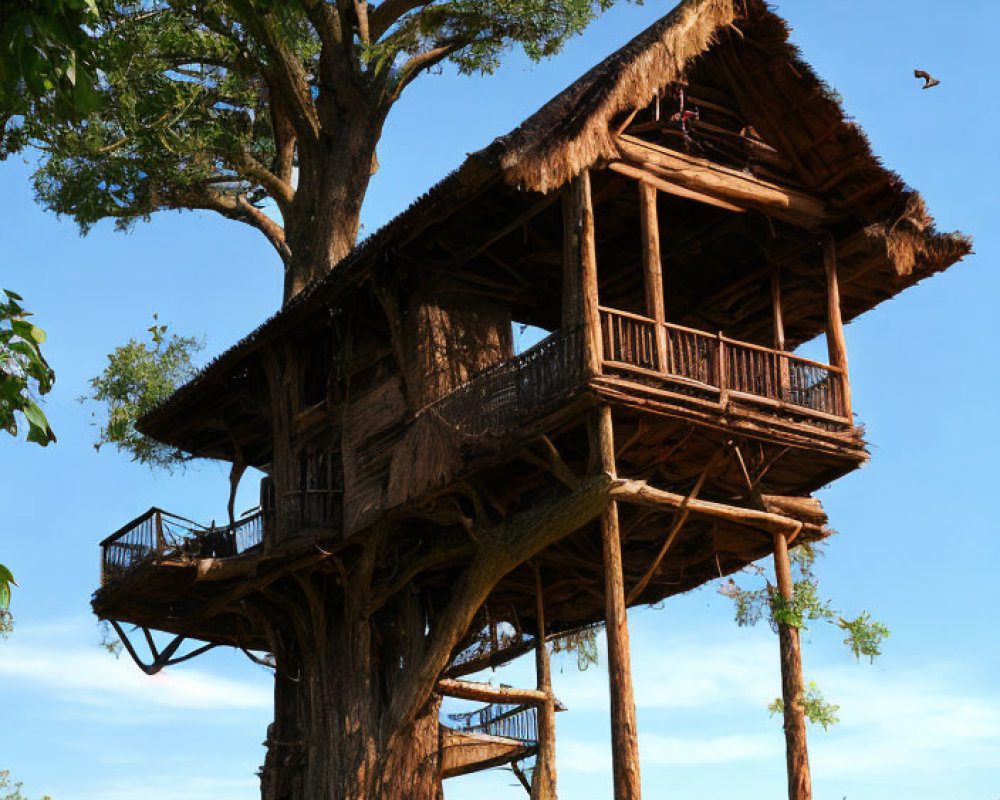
x=83 y=674
x=895 y=719
x=929 y=718
x=680 y=673
x=172 y=786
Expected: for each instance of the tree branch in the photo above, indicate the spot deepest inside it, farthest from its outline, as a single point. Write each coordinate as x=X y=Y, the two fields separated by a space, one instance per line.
x=284 y=71
x=388 y=13
x=250 y=168
x=504 y=547
x=232 y=207
x=423 y=61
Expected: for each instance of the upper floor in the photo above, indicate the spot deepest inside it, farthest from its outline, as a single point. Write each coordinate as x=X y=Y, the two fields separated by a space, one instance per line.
x=676 y=227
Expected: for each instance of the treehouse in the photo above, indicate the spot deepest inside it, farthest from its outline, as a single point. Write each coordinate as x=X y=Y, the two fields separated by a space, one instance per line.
x=676 y=223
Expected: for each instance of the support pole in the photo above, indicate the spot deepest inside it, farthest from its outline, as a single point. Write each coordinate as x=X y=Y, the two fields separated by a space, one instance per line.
x=653 y=269
x=835 y=342
x=580 y=270
x=624 y=732
x=543 y=778
x=792 y=684
x=779 y=334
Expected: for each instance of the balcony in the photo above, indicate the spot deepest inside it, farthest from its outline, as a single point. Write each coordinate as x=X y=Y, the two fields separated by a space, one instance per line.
x=717 y=365
x=159 y=536
x=686 y=362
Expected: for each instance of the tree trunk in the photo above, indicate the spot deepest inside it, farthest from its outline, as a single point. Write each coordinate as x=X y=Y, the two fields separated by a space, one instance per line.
x=334 y=681
x=321 y=227
x=796 y=751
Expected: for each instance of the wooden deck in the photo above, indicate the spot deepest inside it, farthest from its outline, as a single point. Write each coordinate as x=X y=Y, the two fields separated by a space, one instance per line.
x=157 y=535
x=647 y=367
x=495 y=735
x=673 y=361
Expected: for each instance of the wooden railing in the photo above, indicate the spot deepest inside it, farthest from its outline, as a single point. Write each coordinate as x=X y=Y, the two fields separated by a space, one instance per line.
x=630 y=342
x=318 y=502
x=509 y=721
x=498 y=397
x=158 y=534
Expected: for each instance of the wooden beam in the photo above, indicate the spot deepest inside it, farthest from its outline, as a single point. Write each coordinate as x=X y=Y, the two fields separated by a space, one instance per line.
x=640 y=174
x=624 y=731
x=653 y=267
x=784 y=376
x=580 y=301
x=467 y=255
x=724 y=184
x=792 y=684
x=642 y=494
x=836 y=344
x=543 y=778
x=678 y=523
x=485 y=693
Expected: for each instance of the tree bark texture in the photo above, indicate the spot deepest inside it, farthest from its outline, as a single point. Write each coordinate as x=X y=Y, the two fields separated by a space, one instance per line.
x=323 y=220
x=624 y=730
x=796 y=751
x=335 y=679
x=543 y=779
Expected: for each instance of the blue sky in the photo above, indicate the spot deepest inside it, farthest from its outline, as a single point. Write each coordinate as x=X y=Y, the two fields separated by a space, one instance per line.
x=917 y=542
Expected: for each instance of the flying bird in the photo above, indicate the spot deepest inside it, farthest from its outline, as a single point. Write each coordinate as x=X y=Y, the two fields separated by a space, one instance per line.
x=928 y=80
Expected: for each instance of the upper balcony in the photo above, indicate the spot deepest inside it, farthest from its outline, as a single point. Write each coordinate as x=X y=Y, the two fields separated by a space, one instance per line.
x=708 y=376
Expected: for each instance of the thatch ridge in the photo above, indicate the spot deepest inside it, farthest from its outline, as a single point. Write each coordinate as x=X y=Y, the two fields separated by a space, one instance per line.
x=574 y=130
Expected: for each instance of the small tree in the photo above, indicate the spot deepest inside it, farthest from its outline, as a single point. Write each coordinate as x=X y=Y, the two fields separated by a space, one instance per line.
x=24 y=375
x=223 y=104
x=11 y=789
x=863 y=635
x=137 y=378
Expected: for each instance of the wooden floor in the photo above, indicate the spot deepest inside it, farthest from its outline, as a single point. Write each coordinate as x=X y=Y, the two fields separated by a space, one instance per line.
x=463 y=753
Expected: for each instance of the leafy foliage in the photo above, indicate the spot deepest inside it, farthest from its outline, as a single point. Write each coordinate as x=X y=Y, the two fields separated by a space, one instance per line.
x=10 y=789
x=6 y=581
x=583 y=642
x=814 y=706
x=212 y=105
x=45 y=54
x=109 y=641
x=137 y=378
x=24 y=372
x=864 y=634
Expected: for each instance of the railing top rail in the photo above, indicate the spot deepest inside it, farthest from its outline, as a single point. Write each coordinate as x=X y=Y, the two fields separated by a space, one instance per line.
x=685 y=329
x=128 y=526
x=629 y=314
x=811 y=363
x=721 y=337
x=198 y=527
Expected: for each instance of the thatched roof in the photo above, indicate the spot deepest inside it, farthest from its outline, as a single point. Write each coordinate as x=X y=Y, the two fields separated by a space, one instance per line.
x=574 y=130
x=739 y=47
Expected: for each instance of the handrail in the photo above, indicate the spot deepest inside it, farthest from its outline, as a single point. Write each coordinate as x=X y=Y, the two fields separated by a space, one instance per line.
x=158 y=533
x=719 y=362
x=751 y=346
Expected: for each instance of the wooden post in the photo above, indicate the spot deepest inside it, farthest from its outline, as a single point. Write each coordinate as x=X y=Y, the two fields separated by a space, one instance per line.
x=161 y=542
x=653 y=269
x=779 y=334
x=835 y=342
x=796 y=752
x=543 y=778
x=580 y=270
x=624 y=732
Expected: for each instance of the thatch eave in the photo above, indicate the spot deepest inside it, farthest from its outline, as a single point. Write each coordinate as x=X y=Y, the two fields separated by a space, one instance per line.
x=575 y=131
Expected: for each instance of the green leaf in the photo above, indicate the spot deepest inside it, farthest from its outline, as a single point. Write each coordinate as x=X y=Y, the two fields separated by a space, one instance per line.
x=6 y=581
